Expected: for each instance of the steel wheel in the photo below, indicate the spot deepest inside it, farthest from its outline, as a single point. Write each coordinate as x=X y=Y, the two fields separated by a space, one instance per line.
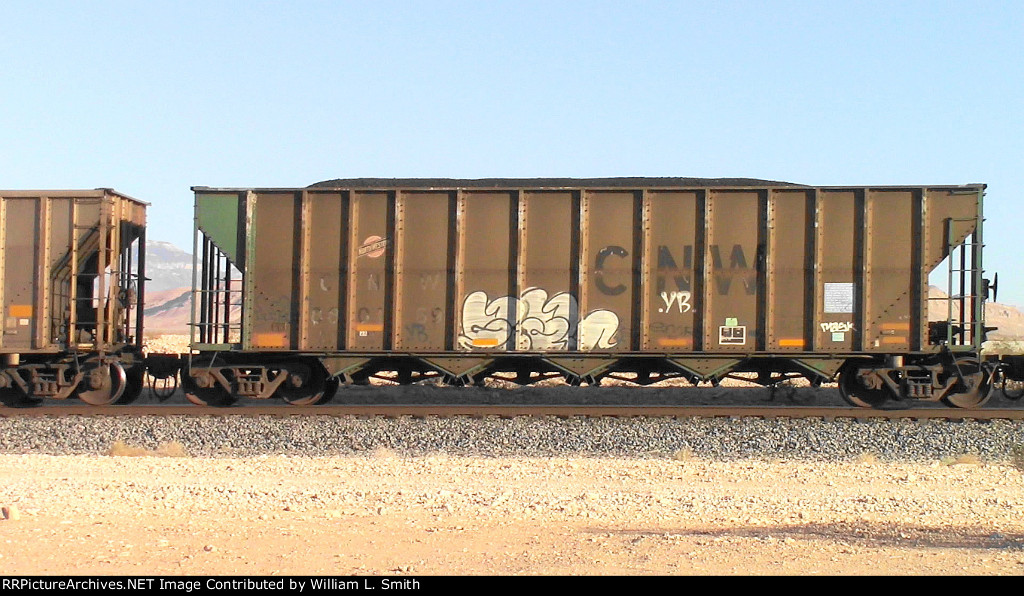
x=856 y=393
x=973 y=388
x=1012 y=390
x=304 y=386
x=207 y=396
x=135 y=382
x=103 y=384
x=214 y=395
x=330 y=389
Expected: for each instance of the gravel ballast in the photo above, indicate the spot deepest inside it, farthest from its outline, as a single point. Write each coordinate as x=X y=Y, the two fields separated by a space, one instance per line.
x=717 y=438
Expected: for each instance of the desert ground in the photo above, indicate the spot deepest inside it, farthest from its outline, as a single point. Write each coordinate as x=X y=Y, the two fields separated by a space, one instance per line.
x=166 y=513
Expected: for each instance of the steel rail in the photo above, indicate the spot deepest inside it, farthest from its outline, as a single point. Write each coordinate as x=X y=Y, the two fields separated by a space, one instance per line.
x=512 y=411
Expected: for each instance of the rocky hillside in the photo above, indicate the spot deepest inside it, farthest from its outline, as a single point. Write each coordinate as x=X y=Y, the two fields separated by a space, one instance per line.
x=1008 y=320
x=168 y=312
x=169 y=270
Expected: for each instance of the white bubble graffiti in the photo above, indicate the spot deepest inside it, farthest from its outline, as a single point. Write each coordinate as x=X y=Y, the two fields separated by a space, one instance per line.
x=537 y=322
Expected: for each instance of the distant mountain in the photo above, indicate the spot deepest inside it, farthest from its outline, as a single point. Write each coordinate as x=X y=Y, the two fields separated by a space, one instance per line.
x=168 y=306
x=167 y=267
x=1007 y=319
x=169 y=271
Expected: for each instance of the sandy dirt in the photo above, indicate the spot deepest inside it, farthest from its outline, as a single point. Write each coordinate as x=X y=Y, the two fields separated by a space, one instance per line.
x=391 y=515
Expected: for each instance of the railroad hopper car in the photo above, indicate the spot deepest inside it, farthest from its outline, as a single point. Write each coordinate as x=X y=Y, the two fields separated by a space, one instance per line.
x=71 y=295
x=639 y=279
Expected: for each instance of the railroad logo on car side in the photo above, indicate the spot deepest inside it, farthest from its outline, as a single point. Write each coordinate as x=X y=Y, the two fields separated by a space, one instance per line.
x=372 y=247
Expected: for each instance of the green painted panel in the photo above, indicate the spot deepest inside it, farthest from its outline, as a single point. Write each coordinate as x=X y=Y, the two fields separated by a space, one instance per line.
x=218 y=216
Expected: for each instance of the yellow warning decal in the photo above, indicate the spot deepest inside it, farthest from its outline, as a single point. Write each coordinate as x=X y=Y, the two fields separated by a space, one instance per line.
x=19 y=310
x=894 y=340
x=271 y=340
x=369 y=327
x=791 y=343
x=675 y=342
x=485 y=342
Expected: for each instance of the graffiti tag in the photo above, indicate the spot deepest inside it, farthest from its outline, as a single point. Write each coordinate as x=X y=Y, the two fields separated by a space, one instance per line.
x=534 y=322
x=680 y=299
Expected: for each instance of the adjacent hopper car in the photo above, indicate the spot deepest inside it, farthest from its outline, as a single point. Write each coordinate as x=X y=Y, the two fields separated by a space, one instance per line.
x=638 y=279
x=71 y=294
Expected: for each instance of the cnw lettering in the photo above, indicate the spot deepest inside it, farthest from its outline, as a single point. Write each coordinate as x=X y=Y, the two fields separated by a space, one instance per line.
x=668 y=269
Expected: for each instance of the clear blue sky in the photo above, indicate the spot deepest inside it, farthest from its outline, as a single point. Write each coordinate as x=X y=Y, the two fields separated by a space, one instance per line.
x=153 y=97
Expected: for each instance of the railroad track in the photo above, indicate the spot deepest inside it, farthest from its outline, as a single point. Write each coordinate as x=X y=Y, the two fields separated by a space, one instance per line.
x=510 y=411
